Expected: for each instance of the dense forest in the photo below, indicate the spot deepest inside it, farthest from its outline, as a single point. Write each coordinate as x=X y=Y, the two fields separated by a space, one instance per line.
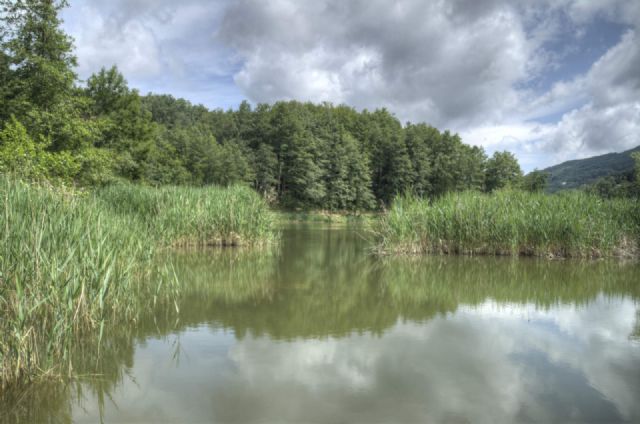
x=297 y=155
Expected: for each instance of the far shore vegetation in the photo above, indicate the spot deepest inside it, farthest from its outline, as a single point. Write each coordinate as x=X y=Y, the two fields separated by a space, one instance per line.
x=513 y=222
x=95 y=178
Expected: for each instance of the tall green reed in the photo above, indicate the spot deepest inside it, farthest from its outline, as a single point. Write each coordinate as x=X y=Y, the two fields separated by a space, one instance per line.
x=512 y=222
x=194 y=216
x=67 y=266
x=73 y=264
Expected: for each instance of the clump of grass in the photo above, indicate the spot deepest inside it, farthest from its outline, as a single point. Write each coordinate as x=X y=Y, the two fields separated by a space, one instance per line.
x=72 y=263
x=66 y=265
x=181 y=216
x=512 y=222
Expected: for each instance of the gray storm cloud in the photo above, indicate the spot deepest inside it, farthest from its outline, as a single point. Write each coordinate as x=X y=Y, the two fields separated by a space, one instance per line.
x=471 y=66
x=611 y=119
x=456 y=64
x=437 y=61
x=160 y=45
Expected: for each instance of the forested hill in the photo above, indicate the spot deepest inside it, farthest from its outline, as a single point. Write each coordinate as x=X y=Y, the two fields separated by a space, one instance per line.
x=578 y=173
x=298 y=155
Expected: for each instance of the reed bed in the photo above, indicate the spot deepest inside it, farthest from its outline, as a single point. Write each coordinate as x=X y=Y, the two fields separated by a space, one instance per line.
x=72 y=263
x=184 y=216
x=512 y=222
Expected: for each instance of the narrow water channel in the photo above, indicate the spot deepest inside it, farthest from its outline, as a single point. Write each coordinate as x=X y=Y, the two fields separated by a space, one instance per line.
x=319 y=330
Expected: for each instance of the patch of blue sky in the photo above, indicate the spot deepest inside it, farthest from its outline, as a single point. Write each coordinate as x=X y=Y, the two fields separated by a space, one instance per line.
x=555 y=116
x=574 y=51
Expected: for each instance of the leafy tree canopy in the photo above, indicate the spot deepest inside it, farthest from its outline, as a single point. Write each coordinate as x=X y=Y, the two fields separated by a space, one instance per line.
x=300 y=155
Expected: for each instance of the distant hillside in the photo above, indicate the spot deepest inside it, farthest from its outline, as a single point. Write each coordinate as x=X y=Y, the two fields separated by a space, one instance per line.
x=575 y=173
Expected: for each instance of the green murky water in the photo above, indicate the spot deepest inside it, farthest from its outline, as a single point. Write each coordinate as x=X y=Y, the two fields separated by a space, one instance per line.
x=321 y=331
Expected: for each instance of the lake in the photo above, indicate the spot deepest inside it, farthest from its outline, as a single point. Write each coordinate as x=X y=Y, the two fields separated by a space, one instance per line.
x=321 y=330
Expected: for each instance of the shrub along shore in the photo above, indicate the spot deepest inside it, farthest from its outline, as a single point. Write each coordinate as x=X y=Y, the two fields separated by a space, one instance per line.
x=512 y=222
x=71 y=261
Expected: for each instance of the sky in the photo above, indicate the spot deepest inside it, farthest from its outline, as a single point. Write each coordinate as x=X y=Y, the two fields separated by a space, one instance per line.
x=549 y=80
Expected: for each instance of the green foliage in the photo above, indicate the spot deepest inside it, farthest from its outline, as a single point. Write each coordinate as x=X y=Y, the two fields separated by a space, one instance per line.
x=230 y=165
x=618 y=185
x=503 y=170
x=193 y=216
x=347 y=177
x=18 y=152
x=63 y=125
x=5 y=79
x=389 y=159
x=36 y=69
x=40 y=54
x=578 y=173
x=612 y=187
x=96 y=167
x=535 y=181
x=473 y=162
x=266 y=170
x=297 y=155
x=304 y=174
x=418 y=139
x=71 y=262
x=20 y=155
x=455 y=166
x=636 y=158
x=107 y=89
x=511 y=222
x=66 y=265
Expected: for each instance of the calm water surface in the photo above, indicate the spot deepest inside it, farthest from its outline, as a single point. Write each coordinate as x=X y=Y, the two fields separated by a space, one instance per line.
x=321 y=331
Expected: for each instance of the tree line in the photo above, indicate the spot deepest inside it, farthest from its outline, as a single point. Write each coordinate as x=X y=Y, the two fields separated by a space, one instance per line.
x=300 y=155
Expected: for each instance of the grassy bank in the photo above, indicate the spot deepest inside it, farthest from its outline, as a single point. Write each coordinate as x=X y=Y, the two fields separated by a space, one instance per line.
x=72 y=263
x=510 y=222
